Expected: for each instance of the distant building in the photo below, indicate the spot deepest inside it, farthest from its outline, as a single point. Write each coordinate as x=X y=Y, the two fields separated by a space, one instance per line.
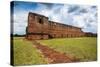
x=39 y=27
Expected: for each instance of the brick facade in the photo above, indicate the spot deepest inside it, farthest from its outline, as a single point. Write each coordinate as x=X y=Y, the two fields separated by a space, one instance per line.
x=39 y=27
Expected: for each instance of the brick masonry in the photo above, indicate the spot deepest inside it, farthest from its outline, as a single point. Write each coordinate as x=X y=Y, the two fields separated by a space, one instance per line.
x=39 y=27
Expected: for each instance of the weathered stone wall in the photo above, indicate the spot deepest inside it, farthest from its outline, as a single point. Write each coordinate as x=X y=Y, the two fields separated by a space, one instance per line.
x=62 y=30
x=39 y=27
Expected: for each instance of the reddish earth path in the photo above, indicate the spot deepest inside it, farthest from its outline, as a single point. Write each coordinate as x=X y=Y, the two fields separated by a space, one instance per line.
x=52 y=55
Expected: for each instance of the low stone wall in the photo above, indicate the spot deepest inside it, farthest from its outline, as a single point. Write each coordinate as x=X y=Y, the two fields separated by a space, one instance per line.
x=38 y=37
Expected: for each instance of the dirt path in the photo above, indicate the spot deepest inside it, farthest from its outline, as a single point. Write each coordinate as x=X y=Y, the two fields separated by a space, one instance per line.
x=52 y=55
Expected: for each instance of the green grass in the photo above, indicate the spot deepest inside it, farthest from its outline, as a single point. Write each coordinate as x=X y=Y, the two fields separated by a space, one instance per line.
x=84 y=48
x=25 y=53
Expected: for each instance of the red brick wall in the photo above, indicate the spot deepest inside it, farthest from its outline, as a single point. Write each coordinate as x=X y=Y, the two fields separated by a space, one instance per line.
x=40 y=28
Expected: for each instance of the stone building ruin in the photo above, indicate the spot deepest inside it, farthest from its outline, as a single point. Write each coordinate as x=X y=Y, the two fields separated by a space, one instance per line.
x=39 y=27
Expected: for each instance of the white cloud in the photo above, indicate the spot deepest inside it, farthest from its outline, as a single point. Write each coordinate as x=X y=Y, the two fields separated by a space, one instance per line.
x=81 y=16
x=20 y=22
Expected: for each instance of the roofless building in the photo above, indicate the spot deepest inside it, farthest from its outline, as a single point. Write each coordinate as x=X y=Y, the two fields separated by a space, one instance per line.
x=39 y=27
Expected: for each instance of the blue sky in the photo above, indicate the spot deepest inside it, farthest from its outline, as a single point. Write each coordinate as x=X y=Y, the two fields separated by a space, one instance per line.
x=83 y=16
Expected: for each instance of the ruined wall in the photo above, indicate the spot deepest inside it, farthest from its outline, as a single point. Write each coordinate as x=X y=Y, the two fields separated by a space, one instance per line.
x=61 y=30
x=39 y=27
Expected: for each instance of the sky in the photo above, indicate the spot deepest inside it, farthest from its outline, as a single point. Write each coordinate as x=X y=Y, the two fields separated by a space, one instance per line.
x=83 y=16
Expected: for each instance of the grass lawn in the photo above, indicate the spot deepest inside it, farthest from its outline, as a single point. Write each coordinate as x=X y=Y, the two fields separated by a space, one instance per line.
x=84 y=48
x=25 y=53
